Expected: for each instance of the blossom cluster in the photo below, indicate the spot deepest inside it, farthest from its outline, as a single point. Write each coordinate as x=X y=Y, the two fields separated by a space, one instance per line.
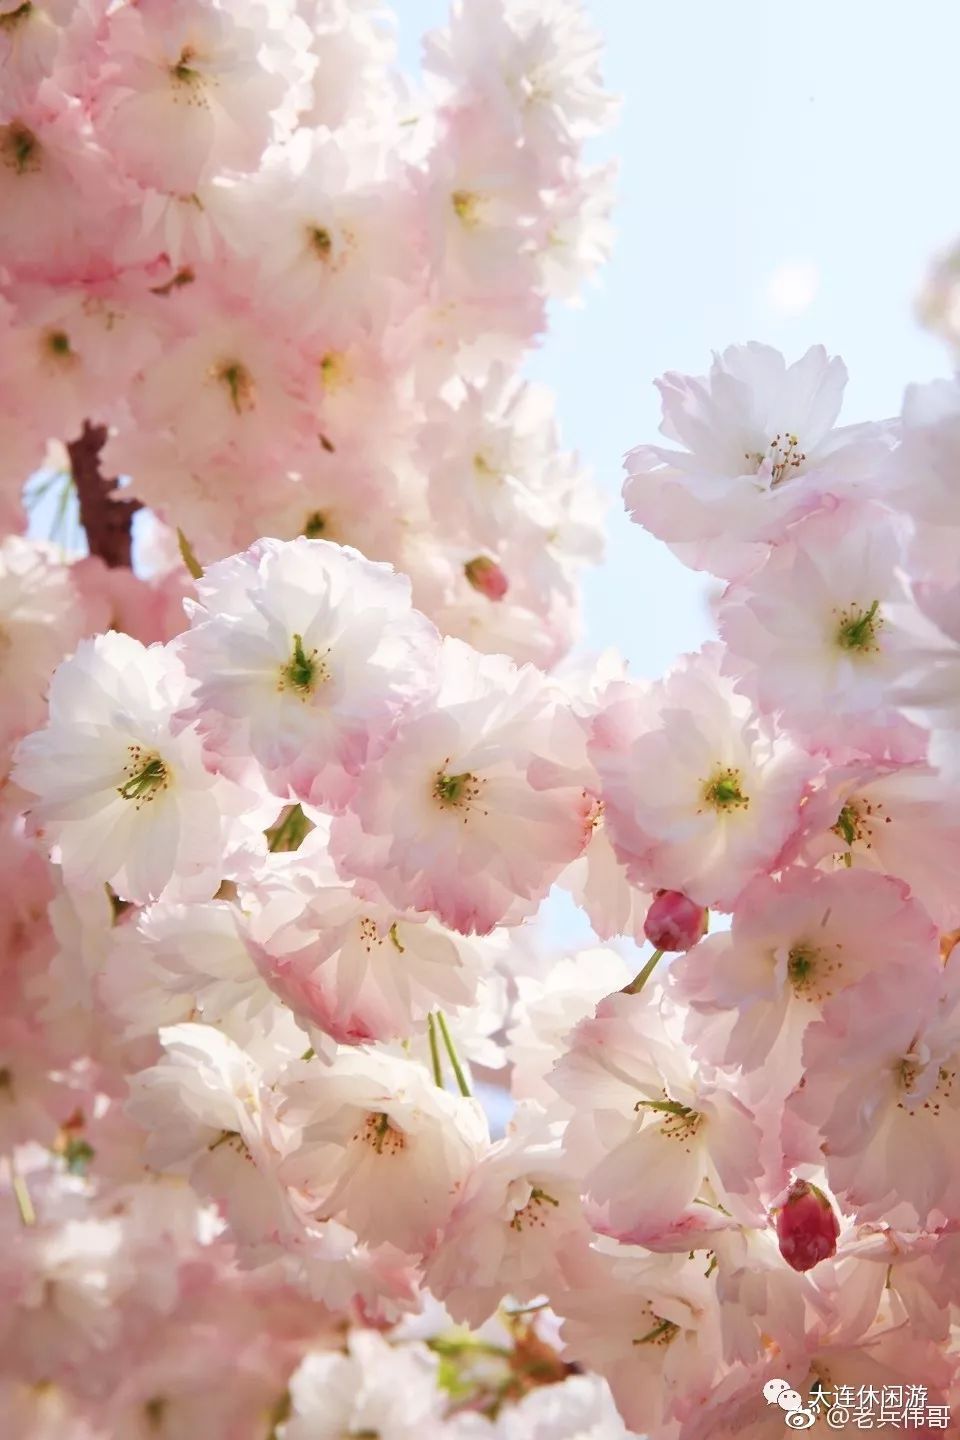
x=296 y=287
x=279 y=818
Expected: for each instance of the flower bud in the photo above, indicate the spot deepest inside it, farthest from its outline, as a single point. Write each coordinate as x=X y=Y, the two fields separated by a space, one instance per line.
x=674 y=922
x=807 y=1226
x=486 y=576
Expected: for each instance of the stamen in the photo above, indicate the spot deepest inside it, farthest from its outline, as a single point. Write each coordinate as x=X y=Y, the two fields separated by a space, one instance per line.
x=724 y=791
x=858 y=628
x=304 y=671
x=147 y=775
x=783 y=456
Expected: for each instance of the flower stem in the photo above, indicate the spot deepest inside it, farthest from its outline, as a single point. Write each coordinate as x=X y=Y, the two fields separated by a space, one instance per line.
x=28 y=1216
x=638 y=981
x=462 y=1085
x=434 y=1051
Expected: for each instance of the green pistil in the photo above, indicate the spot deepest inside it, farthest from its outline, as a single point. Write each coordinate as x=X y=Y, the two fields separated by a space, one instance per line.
x=300 y=670
x=800 y=964
x=668 y=1107
x=859 y=631
x=152 y=776
x=450 y=789
x=723 y=792
x=380 y=1132
x=465 y=204
x=21 y=146
x=320 y=241
x=77 y=1155
x=846 y=826
x=315 y=525
x=183 y=70
x=664 y=1330
x=58 y=342
x=239 y=382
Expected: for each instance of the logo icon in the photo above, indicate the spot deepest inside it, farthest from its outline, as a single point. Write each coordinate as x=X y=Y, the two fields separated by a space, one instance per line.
x=797 y=1415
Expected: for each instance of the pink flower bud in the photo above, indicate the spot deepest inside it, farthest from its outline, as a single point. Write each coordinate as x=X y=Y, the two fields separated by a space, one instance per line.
x=486 y=576
x=807 y=1226
x=674 y=922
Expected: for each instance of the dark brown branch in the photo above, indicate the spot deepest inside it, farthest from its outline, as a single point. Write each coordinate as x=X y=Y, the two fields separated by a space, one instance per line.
x=106 y=519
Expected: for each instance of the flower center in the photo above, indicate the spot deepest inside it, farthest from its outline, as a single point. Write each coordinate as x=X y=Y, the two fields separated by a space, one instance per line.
x=378 y=1133
x=57 y=343
x=304 y=671
x=320 y=241
x=455 y=792
x=369 y=935
x=810 y=972
x=233 y=1140
x=857 y=628
x=239 y=384
x=849 y=824
x=926 y=1086
x=661 y=1333
x=533 y=1212
x=484 y=469
x=723 y=791
x=334 y=371
x=315 y=525
x=782 y=458
x=19 y=147
x=183 y=72
x=680 y=1122
x=146 y=776
x=466 y=204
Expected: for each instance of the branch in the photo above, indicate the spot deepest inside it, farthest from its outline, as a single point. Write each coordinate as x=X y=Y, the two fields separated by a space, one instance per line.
x=106 y=519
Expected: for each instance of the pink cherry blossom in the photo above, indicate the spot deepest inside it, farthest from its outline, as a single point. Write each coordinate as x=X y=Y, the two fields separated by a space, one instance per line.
x=305 y=654
x=760 y=449
x=700 y=795
x=795 y=945
x=450 y=820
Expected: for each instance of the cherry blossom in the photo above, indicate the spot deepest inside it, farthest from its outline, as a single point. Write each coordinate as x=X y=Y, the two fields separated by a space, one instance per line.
x=761 y=448
x=410 y=1022
x=382 y=1147
x=126 y=800
x=305 y=654
x=699 y=794
x=452 y=819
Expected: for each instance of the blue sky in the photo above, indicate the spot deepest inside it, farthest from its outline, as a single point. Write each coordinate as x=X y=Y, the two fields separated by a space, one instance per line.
x=766 y=147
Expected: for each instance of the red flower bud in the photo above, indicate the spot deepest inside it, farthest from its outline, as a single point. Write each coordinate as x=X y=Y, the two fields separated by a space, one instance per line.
x=674 y=922
x=807 y=1226
x=486 y=576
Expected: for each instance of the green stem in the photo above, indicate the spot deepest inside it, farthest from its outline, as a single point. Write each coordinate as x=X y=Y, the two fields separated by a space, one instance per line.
x=638 y=981
x=462 y=1085
x=434 y=1051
